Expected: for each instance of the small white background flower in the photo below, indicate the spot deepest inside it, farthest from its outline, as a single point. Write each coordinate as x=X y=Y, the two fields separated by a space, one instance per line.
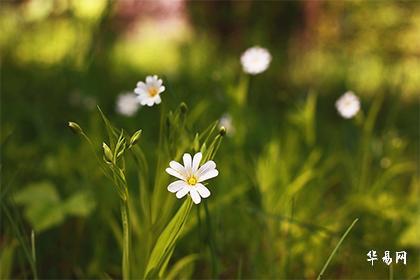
x=149 y=93
x=127 y=104
x=255 y=60
x=348 y=105
x=191 y=177
x=227 y=122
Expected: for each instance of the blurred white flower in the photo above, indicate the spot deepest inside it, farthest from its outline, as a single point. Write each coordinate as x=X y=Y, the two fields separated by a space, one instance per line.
x=191 y=176
x=149 y=93
x=127 y=104
x=348 y=105
x=226 y=122
x=255 y=60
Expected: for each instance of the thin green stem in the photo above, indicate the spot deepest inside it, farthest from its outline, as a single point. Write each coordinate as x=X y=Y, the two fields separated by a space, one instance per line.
x=366 y=139
x=13 y=221
x=33 y=253
x=126 y=240
x=211 y=243
x=336 y=248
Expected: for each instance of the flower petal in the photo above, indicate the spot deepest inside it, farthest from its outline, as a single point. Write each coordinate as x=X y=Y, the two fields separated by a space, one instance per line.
x=196 y=162
x=206 y=167
x=149 y=79
x=195 y=196
x=177 y=167
x=176 y=186
x=174 y=173
x=141 y=85
x=150 y=102
x=143 y=101
x=161 y=89
x=158 y=99
x=141 y=97
x=187 y=163
x=182 y=192
x=140 y=90
x=208 y=175
x=202 y=190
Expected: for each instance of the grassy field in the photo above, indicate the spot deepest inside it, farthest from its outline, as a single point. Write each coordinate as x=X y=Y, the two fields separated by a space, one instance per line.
x=306 y=186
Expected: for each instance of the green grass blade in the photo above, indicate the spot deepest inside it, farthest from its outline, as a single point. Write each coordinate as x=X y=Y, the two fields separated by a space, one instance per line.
x=167 y=240
x=175 y=272
x=112 y=131
x=33 y=249
x=336 y=248
x=126 y=240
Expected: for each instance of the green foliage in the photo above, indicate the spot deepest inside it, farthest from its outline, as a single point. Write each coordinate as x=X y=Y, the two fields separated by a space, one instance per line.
x=293 y=173
x=165 y=244
x=6 y=260
x=43 y=207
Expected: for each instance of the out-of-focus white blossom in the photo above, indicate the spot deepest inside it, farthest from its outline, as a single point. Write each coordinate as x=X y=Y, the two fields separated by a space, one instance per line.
x=255 y=60
x=226 y=122
x=149 y=93
x=348 y=105
x=127 y=104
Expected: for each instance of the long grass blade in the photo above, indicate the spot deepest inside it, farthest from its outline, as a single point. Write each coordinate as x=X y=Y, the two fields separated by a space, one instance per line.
x=336 y=248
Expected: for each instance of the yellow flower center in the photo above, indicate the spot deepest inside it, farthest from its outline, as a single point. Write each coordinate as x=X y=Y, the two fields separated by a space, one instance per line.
x=152 y=91
x=192 y=181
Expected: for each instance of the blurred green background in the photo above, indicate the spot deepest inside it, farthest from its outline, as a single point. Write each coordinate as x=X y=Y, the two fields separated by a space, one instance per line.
x=293 y=173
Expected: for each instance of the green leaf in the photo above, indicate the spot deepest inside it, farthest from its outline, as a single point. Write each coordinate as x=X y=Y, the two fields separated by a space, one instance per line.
x=42 y=205
x=37 y=193
x=80 y=204
x=180 y=266
x=112 y=131
x=44 y=216
x=167 y=241
x=410 y=236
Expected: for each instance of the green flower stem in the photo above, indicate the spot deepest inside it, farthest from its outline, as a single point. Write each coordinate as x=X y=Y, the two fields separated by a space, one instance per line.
x=126 y=240
x=212 y=245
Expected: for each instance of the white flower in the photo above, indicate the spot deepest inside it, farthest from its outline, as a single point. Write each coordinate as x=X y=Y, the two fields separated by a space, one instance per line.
x=255 y=60
x=149 y=93
x=226 y=122
x=348 y=105
x=191 y=177
x=127 y=104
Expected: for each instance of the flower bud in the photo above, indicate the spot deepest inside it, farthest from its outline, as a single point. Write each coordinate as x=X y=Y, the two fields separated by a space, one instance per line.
x=135 y=138
x=107 y=152
x=75 y=128
x=183 y=108
x=222 y=131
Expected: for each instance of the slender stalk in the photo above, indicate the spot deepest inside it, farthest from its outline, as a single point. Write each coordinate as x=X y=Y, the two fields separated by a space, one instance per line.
x=366 y=139
x=242 y=90
x=212 y=246
x=391 y=272
x=336 y=248
x=33 y=253
x=126 y=240
x=23 y=242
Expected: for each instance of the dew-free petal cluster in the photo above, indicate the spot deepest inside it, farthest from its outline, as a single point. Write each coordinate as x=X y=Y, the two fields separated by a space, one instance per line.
x=348 y=105
x=255 y=60
x=191 y=175
x=148 y=93
x=127 y=104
